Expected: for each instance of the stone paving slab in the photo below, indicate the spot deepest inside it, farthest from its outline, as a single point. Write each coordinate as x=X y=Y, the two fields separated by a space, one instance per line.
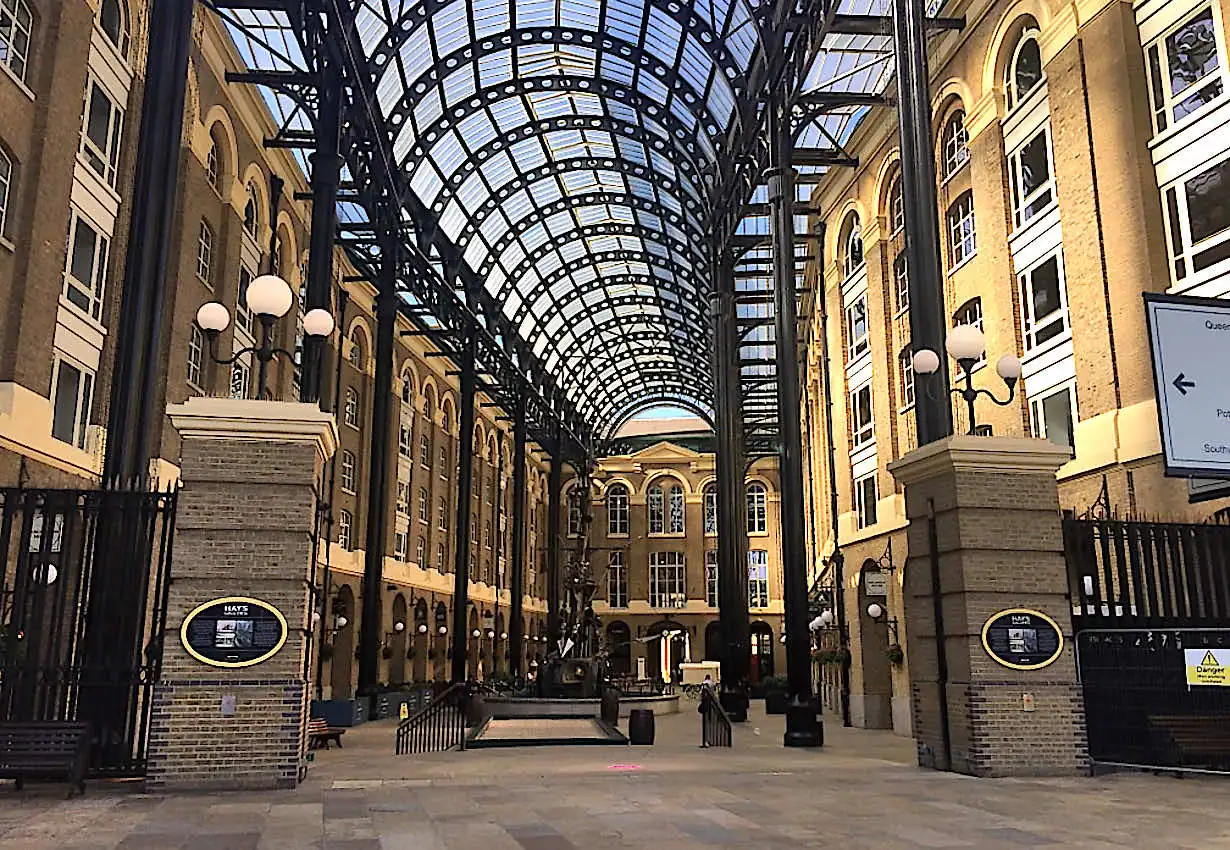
x=860 y=791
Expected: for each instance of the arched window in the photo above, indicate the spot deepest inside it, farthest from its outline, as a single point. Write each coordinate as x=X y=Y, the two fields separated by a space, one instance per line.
x=962 y=237
x=576 y=524
x=955 y=143
x=249 y=212
x=16 y=22
x=676 y=515
x=656 y=504
x=757 y=508
x=407 y=389
x=711 y=509
x=1024 y=71
x=896 y=206
x=852 y=246
x=617 y=509
x=6 y=181
x=114 y=22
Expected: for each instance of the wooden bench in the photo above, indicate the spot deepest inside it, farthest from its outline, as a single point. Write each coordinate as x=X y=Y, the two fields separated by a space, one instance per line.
x=320 y=734
x=1196 y=741
x=52 y=750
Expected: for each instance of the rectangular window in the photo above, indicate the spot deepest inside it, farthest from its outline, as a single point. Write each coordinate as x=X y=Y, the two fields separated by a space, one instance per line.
x=666 y=580
x=440 y=557
x=617 y=582
x=575 y=517
x=962 y=241
x=350 y=410
x=403 y=498
x=420 y=552
x=857 y=329
x=241 y=379
x=348 y=472
x=1031 y=178
x=404 y=439
x=657 y=510
x=204 y=252
x=711 y=510
x=15 y=26
x=444 y=463
x=1198 y=214
x=711 y=578
x=866 y=494
x=1043 y=302
x=757 y=508
x=71 y=400
x=196 y=356
x=423 y=504
x=676 y=514
x=400 y=545
x=87 y=266
x=424 y=452
x=243 y=316
x=862 y=421
x=905 y=366
x=617 y=511
x=757 y=578
x=1184 y=70
x=442 y=515
x=100 y=137
x=1052 y=416
x=902 y=281
x=344 y=523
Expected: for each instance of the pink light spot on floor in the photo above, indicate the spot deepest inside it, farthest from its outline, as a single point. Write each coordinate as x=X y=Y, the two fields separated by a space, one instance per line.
x=624 y=767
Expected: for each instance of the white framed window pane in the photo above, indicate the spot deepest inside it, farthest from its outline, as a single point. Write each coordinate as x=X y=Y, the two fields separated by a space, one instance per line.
x=440 y=557
x=442 y=515
x=656 y=509
x=204 y=252
x=711 y=578
x=101 y=136
x=866 y=494
x=348 y=471
x=422 y=504
x=862 y=417
x=857 y=328
x=1044 y=302
x=666 y=580
x=73 y=396
x=196 y=355
x=87 y=263
x=420 y=552
x=617 y=581
x=757 y=509
x=962 y=238
x=905 y=365
x=956 y=143
x=424 y=451
x=711 y=510
x=757 y=578
x=1053 y=416
x=676 y=524
x=617 y=510
x=6 y=182
x=902 y=281
x=15 y=25
x=1183 y=70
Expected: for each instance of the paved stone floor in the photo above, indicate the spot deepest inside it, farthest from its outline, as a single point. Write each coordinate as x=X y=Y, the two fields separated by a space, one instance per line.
x=861 y=791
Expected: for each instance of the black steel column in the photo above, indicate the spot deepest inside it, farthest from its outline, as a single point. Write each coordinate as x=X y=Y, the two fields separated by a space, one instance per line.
x=732 y=570
x=138 y=337
x=928 y=316
x=371 y=628
x=461 y=534
x=555 y=482
x=515 y=632
x=802 y=725
x=326 y=175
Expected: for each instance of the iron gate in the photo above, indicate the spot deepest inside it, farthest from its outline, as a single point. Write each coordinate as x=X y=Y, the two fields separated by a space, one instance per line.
x=84 y=580
x=1142 y=593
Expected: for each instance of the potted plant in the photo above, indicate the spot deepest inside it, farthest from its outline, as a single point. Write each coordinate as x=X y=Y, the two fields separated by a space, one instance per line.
x=896 y=655
x=410 y=654
x=386 y=653
x=326 y=652
x=431 y=653
x=776 y=694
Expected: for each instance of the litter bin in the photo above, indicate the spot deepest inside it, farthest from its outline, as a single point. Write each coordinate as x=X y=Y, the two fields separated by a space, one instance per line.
x=610 y=706
x=640 y=726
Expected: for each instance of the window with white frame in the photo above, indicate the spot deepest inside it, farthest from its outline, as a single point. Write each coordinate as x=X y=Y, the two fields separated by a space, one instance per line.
x=1184 y=69
x=1044 y=301
x=757 y=578
x=1198 y=219
x=420 y=552
x=16 y=22
x=955 y=143
x=443 y=464
x=113 y=21
x=345 y=522
x=852 y=254
x=970 y=313
x=441 y=514
x=204 y=251
x=617 y=581
x=241 y=379
x=100 y=138
x=440 y=557
x=404 y=441
x=962 y=240
x=400 y=545
x=403 y=498
x=488 y=540
x=711 y=578
x=901 y=283
x=356 y=349
x=666 y=580
x=866 y=495
x=424 y=451
x=211 y=162
x=1031 y=177
x=575 y=522
x=249 y=211
x=1052 y=414
x=857 y=328
x=617 y=509
x=656 y=507
x=896 y=206
x=243 y=314
x=87 y=266
x=196 y=356
x=423 y=504
x=350 y=409
x=1024 y=71
x=757 y=508
x=862 y=419
x=348 y=471
x=905 y=368
x=6 y=183
x=71 y=400
x=676 y=510
x=711 y=509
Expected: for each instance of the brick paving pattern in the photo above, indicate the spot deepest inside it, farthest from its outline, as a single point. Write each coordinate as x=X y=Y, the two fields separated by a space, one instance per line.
x=861 y=791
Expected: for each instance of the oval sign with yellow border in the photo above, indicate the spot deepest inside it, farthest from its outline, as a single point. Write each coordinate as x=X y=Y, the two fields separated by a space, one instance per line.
x=234 y=631
x=1022 y=639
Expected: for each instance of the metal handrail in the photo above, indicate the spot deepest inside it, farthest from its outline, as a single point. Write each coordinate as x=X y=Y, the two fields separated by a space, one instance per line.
x=439 y=726
x=715 y=728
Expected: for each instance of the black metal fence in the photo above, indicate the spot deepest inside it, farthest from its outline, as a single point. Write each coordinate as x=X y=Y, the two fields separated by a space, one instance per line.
x=715 y=729
x=84 y=576
x=438 y=727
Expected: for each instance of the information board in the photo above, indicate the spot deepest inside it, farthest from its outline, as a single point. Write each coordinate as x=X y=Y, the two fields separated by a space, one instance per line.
x=234 y=631
x=1022 y=639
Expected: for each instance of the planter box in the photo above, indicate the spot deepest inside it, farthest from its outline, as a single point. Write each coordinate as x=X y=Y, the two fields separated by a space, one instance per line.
x=775 y=702
x=340 y=712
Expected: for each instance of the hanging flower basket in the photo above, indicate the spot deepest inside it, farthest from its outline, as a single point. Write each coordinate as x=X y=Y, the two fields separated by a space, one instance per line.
x=410 y=653
x=386 y=653
x=326 y=652
x=896 y=655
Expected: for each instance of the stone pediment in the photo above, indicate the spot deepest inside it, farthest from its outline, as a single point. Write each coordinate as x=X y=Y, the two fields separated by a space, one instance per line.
x=666 y=452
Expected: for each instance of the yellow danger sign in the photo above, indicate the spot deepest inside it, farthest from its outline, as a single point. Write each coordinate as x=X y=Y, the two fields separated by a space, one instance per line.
x=1208 y=667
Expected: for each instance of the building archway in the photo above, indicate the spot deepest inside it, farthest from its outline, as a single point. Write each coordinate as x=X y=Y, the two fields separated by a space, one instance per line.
x=873 y=709
x=397 y=642
x=762 y=652
x=342 y=666
x=669 y=646
x=714 y=642
x=420 y=642
x=619 y=648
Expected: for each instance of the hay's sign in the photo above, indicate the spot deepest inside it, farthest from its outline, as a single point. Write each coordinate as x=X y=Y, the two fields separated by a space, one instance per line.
x=1022 y=639
x=234 y=631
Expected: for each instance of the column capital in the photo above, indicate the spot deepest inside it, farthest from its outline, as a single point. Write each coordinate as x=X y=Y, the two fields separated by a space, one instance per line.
x=984 y=454
x=255 y=420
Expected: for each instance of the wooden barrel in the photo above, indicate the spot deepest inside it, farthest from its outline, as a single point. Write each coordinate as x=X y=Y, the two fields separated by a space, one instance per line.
x=640 y=726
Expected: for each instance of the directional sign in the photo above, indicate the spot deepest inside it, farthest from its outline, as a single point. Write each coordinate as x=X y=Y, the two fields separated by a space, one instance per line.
x=1190 y=341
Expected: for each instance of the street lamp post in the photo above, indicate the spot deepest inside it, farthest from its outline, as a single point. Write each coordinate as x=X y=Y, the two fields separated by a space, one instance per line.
x=966 y=345
x=269 y=298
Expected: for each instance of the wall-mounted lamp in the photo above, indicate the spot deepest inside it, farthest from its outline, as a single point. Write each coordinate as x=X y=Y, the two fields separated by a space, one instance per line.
x=422 y=628
x=876 y=612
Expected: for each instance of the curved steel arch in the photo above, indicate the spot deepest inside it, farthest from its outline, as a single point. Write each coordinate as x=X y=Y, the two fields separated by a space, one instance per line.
x=601 y=44
x=594 y=259
x=680 y=362
x=687 y=311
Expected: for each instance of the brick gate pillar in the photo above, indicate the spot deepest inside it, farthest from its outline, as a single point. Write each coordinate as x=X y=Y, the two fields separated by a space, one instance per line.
x=987 y=509
x=250 y=472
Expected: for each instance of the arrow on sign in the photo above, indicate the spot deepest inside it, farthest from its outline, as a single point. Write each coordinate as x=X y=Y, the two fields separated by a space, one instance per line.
x=1183 y=385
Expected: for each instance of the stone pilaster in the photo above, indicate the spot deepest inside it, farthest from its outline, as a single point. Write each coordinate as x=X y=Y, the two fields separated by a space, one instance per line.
x=244 y=527
x=994 y=503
